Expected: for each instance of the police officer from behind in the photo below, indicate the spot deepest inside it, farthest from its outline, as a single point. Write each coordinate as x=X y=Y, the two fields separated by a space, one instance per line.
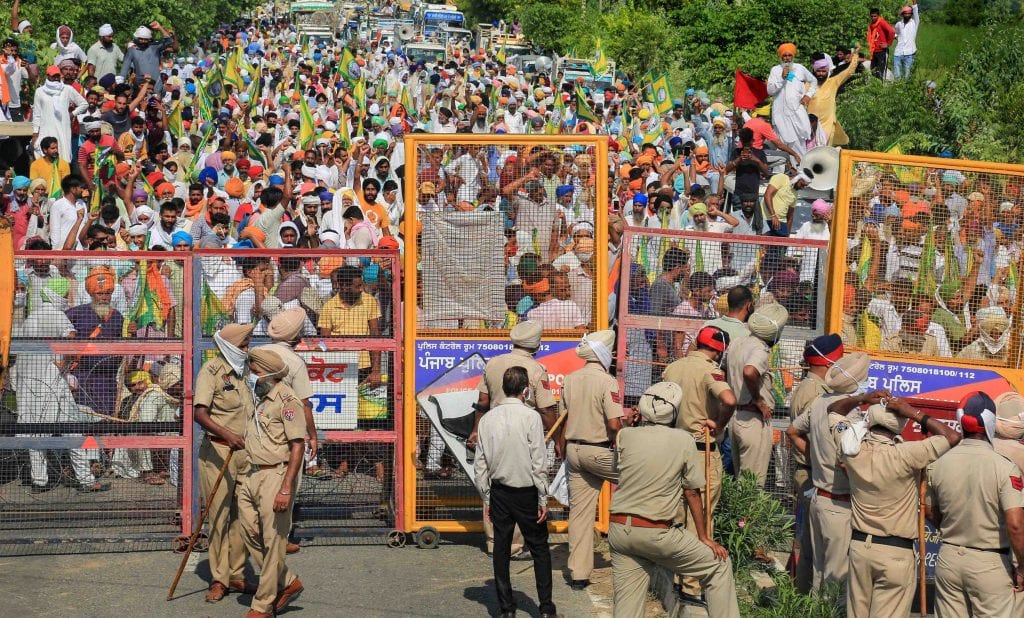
x=590 y=396
x=747 y=370
x=816 y=434
x=525 y=338
x=707 y=402
x=884 y=473
x=223 y=402
x=660 y=466
x=818 y=355
x=1010 y=429
x=512 y=480
x=275 y=436
x=975 y=499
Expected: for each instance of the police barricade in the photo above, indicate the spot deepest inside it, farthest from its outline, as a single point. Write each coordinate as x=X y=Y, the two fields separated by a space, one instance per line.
x=672 y=282
x=352 y=489
x=507 y=227
x=96 y=414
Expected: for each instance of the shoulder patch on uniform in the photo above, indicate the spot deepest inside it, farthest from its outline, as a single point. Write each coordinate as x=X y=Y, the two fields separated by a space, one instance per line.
x=616 y=397
x=545 y=383
x=718 y=376
x=1017 y=482
x=842 y=426
x=289 y=414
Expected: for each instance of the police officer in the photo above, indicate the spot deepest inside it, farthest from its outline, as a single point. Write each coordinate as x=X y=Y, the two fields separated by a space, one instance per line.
x=816 y=434
x=1010 y=428
x=659 y=467
x=884 y=473
x=747 y=370
x=274 y=439
x=975 y=498
x=818 y=355
x=591 y=398
x=707 y=402
x=525 y=338
x=223 y=401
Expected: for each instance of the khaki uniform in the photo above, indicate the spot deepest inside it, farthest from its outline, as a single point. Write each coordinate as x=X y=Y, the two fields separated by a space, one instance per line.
x=540 y=398
x=803 y=396
x=702 y=382
x=828 y=516
x=590 y=396
x=751 y=434
x=973 y=487
x=655 y=464
x=277 y=421
x=230 y=402
x=884 y=490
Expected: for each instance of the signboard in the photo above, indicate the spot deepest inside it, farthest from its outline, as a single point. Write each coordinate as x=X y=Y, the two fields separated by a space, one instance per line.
x=440 y=16
x=937 y=382
x=335 y=380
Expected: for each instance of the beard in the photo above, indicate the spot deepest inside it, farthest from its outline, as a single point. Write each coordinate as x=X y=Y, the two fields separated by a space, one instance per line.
x=819 y=225
x=103 y=310
x=700 y=227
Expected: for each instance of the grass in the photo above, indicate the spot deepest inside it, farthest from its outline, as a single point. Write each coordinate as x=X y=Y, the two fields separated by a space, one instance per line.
x=938 y=48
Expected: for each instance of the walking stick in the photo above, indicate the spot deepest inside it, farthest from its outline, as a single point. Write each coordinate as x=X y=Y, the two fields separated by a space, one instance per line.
x=554 y=428
x=707 y=480
x=199 y=525
x=921 y=549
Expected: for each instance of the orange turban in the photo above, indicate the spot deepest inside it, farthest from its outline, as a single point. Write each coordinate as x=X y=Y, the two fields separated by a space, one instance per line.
x=251 y=232
x=100 y=280
x=787 y=48
x=540 y=287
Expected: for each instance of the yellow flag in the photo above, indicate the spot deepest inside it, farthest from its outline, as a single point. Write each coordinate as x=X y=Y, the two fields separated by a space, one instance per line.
x=662 y=96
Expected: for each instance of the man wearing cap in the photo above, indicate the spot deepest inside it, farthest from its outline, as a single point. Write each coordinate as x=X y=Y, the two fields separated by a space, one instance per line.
x=660 y=468
x=223 y=403
x=104 y=57
x=819 y=355
x=274 y=436
x=510 y=476
x=750 y=378
x=591 y=398
x=975 y=499
x=817 y=433
x=707 y=402
x=884 y=472
x=525 y=338
x=144 y=59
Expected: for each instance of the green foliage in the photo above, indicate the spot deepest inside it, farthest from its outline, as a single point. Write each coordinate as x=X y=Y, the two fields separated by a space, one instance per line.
x=785 y=601
x=748 y=520
x=557 y=27
x=637 y=40
x=877 y=115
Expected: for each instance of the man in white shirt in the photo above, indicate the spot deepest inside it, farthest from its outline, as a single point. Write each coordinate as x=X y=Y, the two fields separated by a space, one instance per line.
x=510 y=469
x=67 y=215
x=906 y=40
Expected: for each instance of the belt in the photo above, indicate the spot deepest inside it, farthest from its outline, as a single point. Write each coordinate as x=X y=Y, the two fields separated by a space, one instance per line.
x=267 y=466
x=832 y=496
x=637 y=521
x=891 y=541
x=748 y=407
x=999 y=550
x=703 y=446
x=803 y=466
x=605 y=444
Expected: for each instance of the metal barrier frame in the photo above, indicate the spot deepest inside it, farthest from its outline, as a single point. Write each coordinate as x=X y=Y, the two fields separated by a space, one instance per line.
x=189 y=471
x=412 y=157
x=393 y=345
x=1014 y=373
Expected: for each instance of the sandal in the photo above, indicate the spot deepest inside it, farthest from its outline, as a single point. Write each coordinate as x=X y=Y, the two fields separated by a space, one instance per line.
x=318 y=474
x=151 y=478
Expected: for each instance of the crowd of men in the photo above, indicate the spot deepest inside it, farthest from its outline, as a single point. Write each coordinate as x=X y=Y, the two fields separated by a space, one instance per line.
x=260 y=138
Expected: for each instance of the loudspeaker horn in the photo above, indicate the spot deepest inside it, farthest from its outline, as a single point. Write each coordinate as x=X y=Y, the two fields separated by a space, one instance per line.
x=821 y=165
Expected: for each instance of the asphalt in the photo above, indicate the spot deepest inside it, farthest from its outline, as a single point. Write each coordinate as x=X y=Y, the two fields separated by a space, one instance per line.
x=456 y=579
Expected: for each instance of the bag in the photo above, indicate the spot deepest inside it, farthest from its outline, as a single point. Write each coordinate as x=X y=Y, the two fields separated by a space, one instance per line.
x=373 y=403
x=559 y=488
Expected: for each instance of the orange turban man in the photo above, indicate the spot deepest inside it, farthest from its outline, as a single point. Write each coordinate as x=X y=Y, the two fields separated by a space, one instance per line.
x=787 y=49
x=100 y=280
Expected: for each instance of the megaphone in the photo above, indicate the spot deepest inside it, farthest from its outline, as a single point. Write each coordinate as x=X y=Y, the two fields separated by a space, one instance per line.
x=406 y=32
x=821 y=165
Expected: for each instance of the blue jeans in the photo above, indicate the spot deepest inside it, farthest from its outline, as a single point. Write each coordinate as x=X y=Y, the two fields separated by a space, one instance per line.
x=902 y=65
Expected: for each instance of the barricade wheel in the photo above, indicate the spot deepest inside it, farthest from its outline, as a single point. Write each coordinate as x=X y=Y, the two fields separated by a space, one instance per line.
x=396 y=538
x=202 y=542
x=428 y=538
x=180 y=544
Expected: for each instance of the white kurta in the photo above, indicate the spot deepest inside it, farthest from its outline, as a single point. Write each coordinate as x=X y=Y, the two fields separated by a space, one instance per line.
x=51 y=117
x=788 y=115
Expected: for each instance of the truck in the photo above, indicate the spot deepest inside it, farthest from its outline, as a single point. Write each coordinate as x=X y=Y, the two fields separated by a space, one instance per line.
x=430 y=17
x=315 y=18
x=575 y=69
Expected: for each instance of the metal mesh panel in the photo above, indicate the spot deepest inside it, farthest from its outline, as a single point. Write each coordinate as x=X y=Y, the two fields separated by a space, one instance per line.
x=932 y=252
x=94 y=412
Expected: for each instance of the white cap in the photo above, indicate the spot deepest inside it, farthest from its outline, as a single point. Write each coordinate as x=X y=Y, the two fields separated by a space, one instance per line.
x=106 y=30
x=143 y=32
x=374 y=109
x=23 y=24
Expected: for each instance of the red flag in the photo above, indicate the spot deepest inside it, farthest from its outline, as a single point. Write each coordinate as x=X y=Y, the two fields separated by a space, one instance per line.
x=749 y=91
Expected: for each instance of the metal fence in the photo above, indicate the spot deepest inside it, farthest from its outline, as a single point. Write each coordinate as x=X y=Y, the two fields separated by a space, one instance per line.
x=499 y=228
x=659 y=312
x=353 y=487
x=95 y=418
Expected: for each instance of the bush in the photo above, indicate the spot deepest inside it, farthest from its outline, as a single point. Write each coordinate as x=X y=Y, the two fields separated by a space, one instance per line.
x=785 y=601
x=877 y=115
x=749 y=521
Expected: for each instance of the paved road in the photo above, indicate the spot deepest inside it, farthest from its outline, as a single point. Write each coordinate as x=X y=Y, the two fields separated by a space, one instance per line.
x=453 y=580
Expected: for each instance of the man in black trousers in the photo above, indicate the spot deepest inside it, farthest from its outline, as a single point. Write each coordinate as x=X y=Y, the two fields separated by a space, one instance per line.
x=512 y=479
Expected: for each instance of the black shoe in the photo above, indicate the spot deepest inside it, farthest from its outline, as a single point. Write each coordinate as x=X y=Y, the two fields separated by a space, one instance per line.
x=39 y=489
x=579 y=584
x=692 y=599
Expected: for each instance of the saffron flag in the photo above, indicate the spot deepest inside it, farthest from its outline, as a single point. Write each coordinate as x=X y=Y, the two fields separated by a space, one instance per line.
x=153 y=299
x=748 y=91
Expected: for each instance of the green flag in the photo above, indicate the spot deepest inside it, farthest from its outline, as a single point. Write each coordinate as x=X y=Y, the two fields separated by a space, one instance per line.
x=583 y=110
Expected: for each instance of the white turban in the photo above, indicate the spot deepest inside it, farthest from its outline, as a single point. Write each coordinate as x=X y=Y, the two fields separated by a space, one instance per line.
x=143 y=32
x=23 y=24
x=106 y=30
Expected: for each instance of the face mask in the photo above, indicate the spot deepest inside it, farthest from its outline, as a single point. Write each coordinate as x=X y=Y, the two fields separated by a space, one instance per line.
x=584 y=257
x=253 y=381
